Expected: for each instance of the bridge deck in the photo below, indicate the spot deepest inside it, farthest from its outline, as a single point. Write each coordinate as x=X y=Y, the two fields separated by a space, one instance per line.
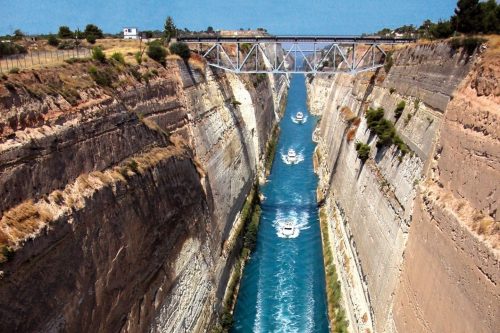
x=294 y=39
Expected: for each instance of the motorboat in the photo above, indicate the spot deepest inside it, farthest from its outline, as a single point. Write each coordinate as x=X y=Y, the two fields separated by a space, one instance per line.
x=288 y=230
x=299 y=117
x=291 y=156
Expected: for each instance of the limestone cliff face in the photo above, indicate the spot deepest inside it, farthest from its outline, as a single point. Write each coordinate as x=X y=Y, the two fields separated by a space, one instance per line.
x=376 y=206
x=116 y=201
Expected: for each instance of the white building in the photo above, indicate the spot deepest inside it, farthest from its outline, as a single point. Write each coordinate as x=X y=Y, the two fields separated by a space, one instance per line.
x=130 y=33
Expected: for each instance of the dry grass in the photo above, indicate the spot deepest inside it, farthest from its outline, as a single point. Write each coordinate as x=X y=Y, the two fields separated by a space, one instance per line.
x=347 y=114
x=24 y=219
x=197 y=62
x=351 y=133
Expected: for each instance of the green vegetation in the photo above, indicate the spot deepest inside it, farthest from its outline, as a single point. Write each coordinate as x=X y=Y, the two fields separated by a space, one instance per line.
x=118 y=57
x=333 y=288
x=245 y=47
x=11 y=48
x=235 y=103
x=363 y=151
x=399 y=109
x=471 y=17
x=250 y=217
x=385 y=130
x=170 y=30
x=98 y=54
x=138 y=57
x=92 y=30
x=103 y=78
x=157 y=52
x=181 y=49
x=468 y=43
x=65 y=32
x=392 y=90
x=91 y=39
x=14 y=70
x=52 y=40
x=271 y=149
x=388 y=62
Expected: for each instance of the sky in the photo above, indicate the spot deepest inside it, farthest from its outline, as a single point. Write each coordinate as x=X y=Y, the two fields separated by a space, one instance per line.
x=322 y=17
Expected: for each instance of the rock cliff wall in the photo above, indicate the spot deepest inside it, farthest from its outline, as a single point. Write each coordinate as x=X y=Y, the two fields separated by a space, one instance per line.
x=376 y=206
x=116 y=199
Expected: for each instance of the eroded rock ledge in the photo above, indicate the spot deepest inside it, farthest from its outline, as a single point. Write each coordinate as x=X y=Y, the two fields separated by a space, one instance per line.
x=116 y=201
x=416 y=236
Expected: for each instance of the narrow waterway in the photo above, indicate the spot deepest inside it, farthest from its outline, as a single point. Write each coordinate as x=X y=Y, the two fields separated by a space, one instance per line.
x=283 y=285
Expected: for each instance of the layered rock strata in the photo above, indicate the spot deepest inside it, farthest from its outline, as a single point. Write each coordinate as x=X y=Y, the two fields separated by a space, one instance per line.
x=426 y=196
x=116 y=199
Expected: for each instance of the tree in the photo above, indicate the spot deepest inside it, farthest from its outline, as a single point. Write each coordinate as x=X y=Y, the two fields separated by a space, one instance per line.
x=490 y=17
x=98 y=54
x=93 y=30
x=170 y=29
x=157 y=52
x=443 y=29
x=18 y=34
x=52 y=40
x=210 y=29
x=181 y=49
x=65 y=32
x=467 y=18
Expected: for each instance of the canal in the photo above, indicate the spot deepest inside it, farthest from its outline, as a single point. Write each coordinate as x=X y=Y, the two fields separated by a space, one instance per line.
x=283 y=284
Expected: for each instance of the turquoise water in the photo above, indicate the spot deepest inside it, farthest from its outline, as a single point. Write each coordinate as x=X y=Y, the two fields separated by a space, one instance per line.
x=283 y=285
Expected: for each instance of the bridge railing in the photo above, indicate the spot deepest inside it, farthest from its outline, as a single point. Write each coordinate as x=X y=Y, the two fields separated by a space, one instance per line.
x=299 y=54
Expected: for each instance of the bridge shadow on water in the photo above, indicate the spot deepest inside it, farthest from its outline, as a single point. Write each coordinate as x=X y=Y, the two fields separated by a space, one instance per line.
x=283 y=284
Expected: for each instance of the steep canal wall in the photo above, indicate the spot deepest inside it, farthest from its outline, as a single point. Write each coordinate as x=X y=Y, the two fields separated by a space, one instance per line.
x=119 y=189
x=415 y=237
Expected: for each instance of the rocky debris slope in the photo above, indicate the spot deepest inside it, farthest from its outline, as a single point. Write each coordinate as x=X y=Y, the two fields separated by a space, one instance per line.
x=373 y=205
x=119 y=185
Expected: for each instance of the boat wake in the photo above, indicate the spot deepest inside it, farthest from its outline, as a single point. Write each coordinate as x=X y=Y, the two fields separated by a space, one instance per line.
x=285 y=158
x=292 y=220
x=297 y=121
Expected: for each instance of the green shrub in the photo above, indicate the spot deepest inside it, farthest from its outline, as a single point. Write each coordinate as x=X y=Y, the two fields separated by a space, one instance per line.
x=101 y=77
x=373 y=116
x=91 y=39
x=65 y=32
x=138 y=57
x=469 y=44
x=98 y=54
x=388 y=62
x=93 y=30
x=53 y=41
x=14 y=70
x=135 y=73
x=66 y=45
x=181 y=49
x=399 y=109
x=117 y=56
x=363 y=151
x=385 y=130
x=157 y=52
x=251 y=232
x=226 y=319
x=11 y=48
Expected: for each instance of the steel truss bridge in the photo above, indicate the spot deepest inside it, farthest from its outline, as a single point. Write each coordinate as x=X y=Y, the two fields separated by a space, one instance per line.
x=292 y=54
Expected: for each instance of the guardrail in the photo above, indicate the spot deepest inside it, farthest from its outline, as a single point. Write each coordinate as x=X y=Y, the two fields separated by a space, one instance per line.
x=294 y=39
x=40 y=58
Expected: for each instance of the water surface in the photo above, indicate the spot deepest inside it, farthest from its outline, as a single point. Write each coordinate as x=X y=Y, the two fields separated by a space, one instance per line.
x=283 y=284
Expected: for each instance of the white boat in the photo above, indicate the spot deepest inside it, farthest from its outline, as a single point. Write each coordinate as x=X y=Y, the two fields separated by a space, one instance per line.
x=288 y=230
x=299 y=117
x=291 y=156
